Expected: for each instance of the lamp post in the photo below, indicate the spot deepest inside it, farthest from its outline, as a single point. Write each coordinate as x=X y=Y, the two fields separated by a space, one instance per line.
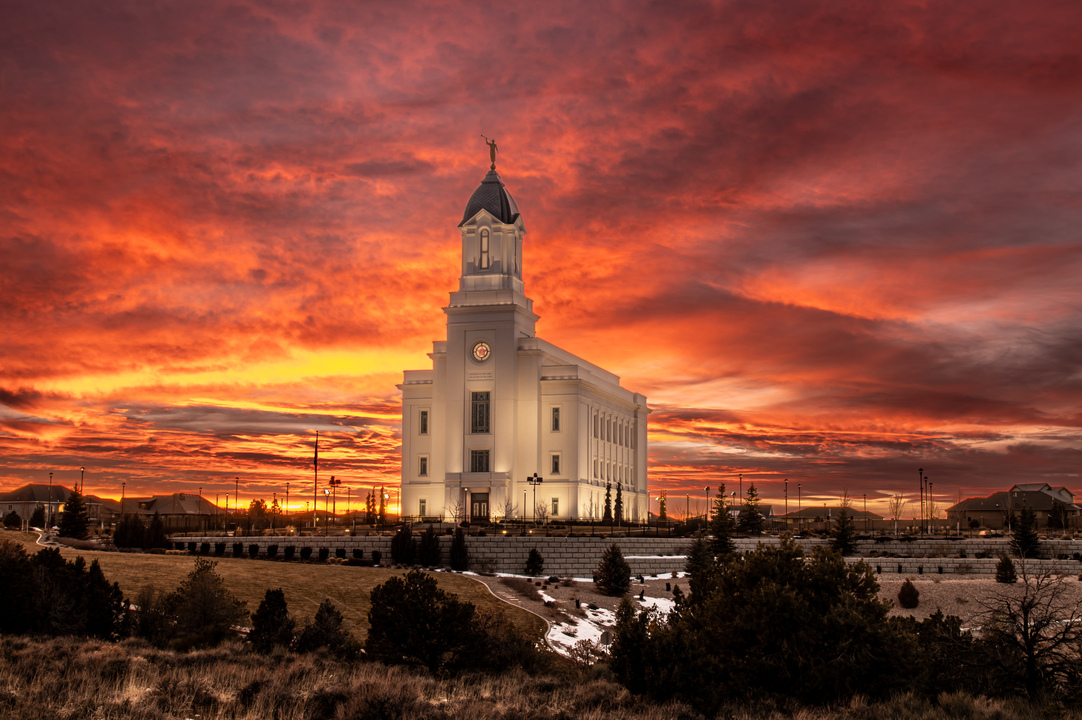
x=920 y=476
x=49 y=505
x=123 y=487
x=687 y=507
x=82 y=472
x=236 y=494
x=786 y=516
x=931 y=507
x=287 y=501
x=535 y=480
x=799 y=510
x=334 y=497
x=865 y=512
x=349 y=493
x=326 y=509
x=707 y=503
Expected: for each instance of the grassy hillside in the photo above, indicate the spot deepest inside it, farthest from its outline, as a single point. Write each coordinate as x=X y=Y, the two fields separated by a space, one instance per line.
x=305 y=584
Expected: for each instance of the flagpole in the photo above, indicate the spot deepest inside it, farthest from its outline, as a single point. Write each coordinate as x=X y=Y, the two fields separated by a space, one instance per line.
x=315 y=482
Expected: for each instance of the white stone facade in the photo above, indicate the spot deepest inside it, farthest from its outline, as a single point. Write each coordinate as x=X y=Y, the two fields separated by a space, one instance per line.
x=501 y=404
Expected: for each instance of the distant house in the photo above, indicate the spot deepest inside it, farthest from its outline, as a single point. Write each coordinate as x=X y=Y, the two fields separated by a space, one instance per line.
x=819 y=514
x=992 y=511
x=24 y=500
x=179 y=511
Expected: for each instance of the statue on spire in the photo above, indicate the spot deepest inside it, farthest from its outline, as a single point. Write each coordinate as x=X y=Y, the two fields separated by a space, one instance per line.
x=491 y=151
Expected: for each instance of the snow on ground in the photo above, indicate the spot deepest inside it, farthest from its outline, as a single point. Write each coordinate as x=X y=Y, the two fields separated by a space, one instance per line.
x=662 y=605
x=563 y=635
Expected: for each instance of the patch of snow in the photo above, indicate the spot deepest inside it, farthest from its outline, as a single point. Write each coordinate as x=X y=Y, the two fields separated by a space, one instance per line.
x=662 y=605
x=655 y=557
x=563 y=635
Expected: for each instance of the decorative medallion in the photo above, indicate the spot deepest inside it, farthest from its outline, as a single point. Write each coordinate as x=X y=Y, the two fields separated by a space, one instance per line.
x=481 y=351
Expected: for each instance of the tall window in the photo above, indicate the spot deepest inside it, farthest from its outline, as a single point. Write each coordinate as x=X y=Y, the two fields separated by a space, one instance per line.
x=595 y=425
x=422 y=507
x=555 y=464
x=422 y=466
x=555 y=507
x=555 y=419
x=484 y=249
x=479 y=412
x=424 y=422
x=479 y=461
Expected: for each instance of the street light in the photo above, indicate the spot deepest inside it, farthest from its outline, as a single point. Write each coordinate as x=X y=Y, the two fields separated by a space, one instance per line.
x=326 y=508
x=287 y=501
x=920 y=476
x=535 y=480
x=707 y=503
x=334 y=490
x=799 y=510
x=786 y=503
x=82 y=485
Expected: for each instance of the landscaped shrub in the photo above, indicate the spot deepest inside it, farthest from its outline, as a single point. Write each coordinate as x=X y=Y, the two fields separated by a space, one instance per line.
x=325 y=632
x=253 y=550
x=12 y=520
x=376 y=557
x=191 y=547
x=204 y=548
x=272 y=551
x=340 y=553
x=430 y=554
x=271 y=625
x=306 y=552
x=1005 y=572
x=219 y=548
x=613 y=574
x=535 y=564
x=908 y=595
x=358 y=554
x=324 y=553
x=450 y=634
x=460 y=555
x=290 y=551
x=403 y=548
x=238 y=549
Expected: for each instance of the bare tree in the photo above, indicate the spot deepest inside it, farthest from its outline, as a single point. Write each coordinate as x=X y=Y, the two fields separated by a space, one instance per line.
x=541 y=513
x=636 y=513
x=508 y=510
x=895 y=505
x=1008 y=510
x=1033 y=630
x=457 y=510
x=590 y=510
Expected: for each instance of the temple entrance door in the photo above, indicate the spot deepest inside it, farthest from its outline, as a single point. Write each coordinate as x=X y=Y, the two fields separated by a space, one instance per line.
x=479 y=507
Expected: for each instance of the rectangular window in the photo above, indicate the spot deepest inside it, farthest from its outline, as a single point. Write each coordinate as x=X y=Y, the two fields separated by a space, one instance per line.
x=484 y=249
x=479 y=413
x=555 y=419
x=422 y=466
x=595 y=426
x=422 y=507
x=424 y=422
x=555 y=507
x=479 y=461
x=555 y=464
x=595 y=467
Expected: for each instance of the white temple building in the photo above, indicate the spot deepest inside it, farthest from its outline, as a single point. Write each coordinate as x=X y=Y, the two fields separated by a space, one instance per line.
x=501 y=405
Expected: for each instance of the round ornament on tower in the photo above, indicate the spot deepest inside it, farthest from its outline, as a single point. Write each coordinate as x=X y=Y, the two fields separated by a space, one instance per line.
x=481 y=352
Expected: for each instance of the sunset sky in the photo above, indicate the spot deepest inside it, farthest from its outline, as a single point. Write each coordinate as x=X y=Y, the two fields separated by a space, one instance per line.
x=830 y=242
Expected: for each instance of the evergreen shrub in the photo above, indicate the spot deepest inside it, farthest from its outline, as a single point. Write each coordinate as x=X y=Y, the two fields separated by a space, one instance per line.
x=908 y=595
x=1005 y=572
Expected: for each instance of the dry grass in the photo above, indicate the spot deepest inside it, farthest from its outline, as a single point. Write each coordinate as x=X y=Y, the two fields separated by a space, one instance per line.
x=69 y=679
x=305 y=584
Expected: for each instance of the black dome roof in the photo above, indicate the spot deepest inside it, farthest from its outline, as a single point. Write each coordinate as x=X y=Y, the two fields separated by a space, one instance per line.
x=492 y=195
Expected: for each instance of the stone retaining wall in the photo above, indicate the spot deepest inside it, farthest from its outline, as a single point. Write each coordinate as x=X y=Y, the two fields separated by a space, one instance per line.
x=579 y=556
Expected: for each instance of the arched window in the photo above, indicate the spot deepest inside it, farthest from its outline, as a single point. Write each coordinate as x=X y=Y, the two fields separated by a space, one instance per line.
x=484 y=249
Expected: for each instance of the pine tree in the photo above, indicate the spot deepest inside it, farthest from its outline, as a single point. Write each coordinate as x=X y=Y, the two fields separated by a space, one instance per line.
x=751 y=519
x=608 y=503
x=460 y=554
x=1026 y=543
x=662 y=515
x=382 y=507
x=701 y=570
x=155 y=536
x=535 y=564
x=271 y=624
x=430 y=554
x=1005 y=572
x=325 y=631
x=721 y=526
x=613 y=574
x=12 y=520
x=74 y=521
x=37 y=518
x=842 y=540
x=403 y=547
x=618 y=508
